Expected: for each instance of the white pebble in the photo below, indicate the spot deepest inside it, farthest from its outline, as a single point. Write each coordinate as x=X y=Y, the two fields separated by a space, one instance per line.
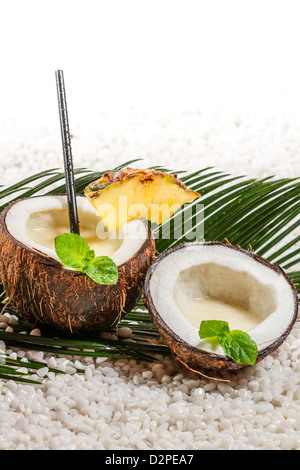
x=13 y=356
x=124 y=332
x=110 y=336
x=21 y=424
x=70 y=370
x=52 y=364
x=198 y=393
x=99 y=360
x=36 y=332
x=4 y=319
x=22 y=370
x=147 y=374
x=42 y=372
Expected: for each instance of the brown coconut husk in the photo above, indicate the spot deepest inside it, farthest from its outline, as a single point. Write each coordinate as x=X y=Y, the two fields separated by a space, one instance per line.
x=42 y=292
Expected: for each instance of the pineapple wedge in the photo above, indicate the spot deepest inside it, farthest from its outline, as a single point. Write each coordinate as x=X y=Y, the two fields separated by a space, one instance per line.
x=125 y=195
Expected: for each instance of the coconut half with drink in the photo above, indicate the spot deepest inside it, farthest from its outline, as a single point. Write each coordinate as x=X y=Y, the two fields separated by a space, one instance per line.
x=45 y=290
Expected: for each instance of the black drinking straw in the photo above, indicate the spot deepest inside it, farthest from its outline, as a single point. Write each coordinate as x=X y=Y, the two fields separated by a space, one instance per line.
x=67 y=152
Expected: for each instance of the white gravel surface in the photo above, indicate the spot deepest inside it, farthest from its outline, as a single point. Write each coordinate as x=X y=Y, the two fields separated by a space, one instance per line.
x=124 y=404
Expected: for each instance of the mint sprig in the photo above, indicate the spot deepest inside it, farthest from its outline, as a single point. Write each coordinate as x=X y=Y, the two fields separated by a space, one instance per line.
x=237 y=344
x=74 y=252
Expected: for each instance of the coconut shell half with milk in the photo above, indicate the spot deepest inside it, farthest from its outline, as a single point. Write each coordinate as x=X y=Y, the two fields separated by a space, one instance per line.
x=43 y=291
x=195 y=282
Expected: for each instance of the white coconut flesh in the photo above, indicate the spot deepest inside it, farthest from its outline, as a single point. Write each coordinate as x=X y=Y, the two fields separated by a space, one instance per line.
x=214 y=282
x=35 y=222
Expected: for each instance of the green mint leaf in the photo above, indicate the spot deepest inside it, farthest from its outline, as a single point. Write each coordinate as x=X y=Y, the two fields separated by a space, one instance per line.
x=91 y=254
x=239 y=347
x=102 y=270
x=237 y=344
x=71 y=250
x=74 y=252
x=213 y=328
x=89 y=257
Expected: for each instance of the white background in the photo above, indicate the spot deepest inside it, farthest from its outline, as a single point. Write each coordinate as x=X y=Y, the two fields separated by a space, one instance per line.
x=150 y=53
x=240 y=56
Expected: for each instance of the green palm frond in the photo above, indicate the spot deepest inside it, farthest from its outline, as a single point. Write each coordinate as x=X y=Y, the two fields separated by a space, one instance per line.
x=21 y=371
x=258 y=214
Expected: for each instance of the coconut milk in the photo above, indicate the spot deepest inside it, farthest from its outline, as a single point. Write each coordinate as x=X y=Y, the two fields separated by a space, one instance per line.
x=43 y=227
x=200 y=309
